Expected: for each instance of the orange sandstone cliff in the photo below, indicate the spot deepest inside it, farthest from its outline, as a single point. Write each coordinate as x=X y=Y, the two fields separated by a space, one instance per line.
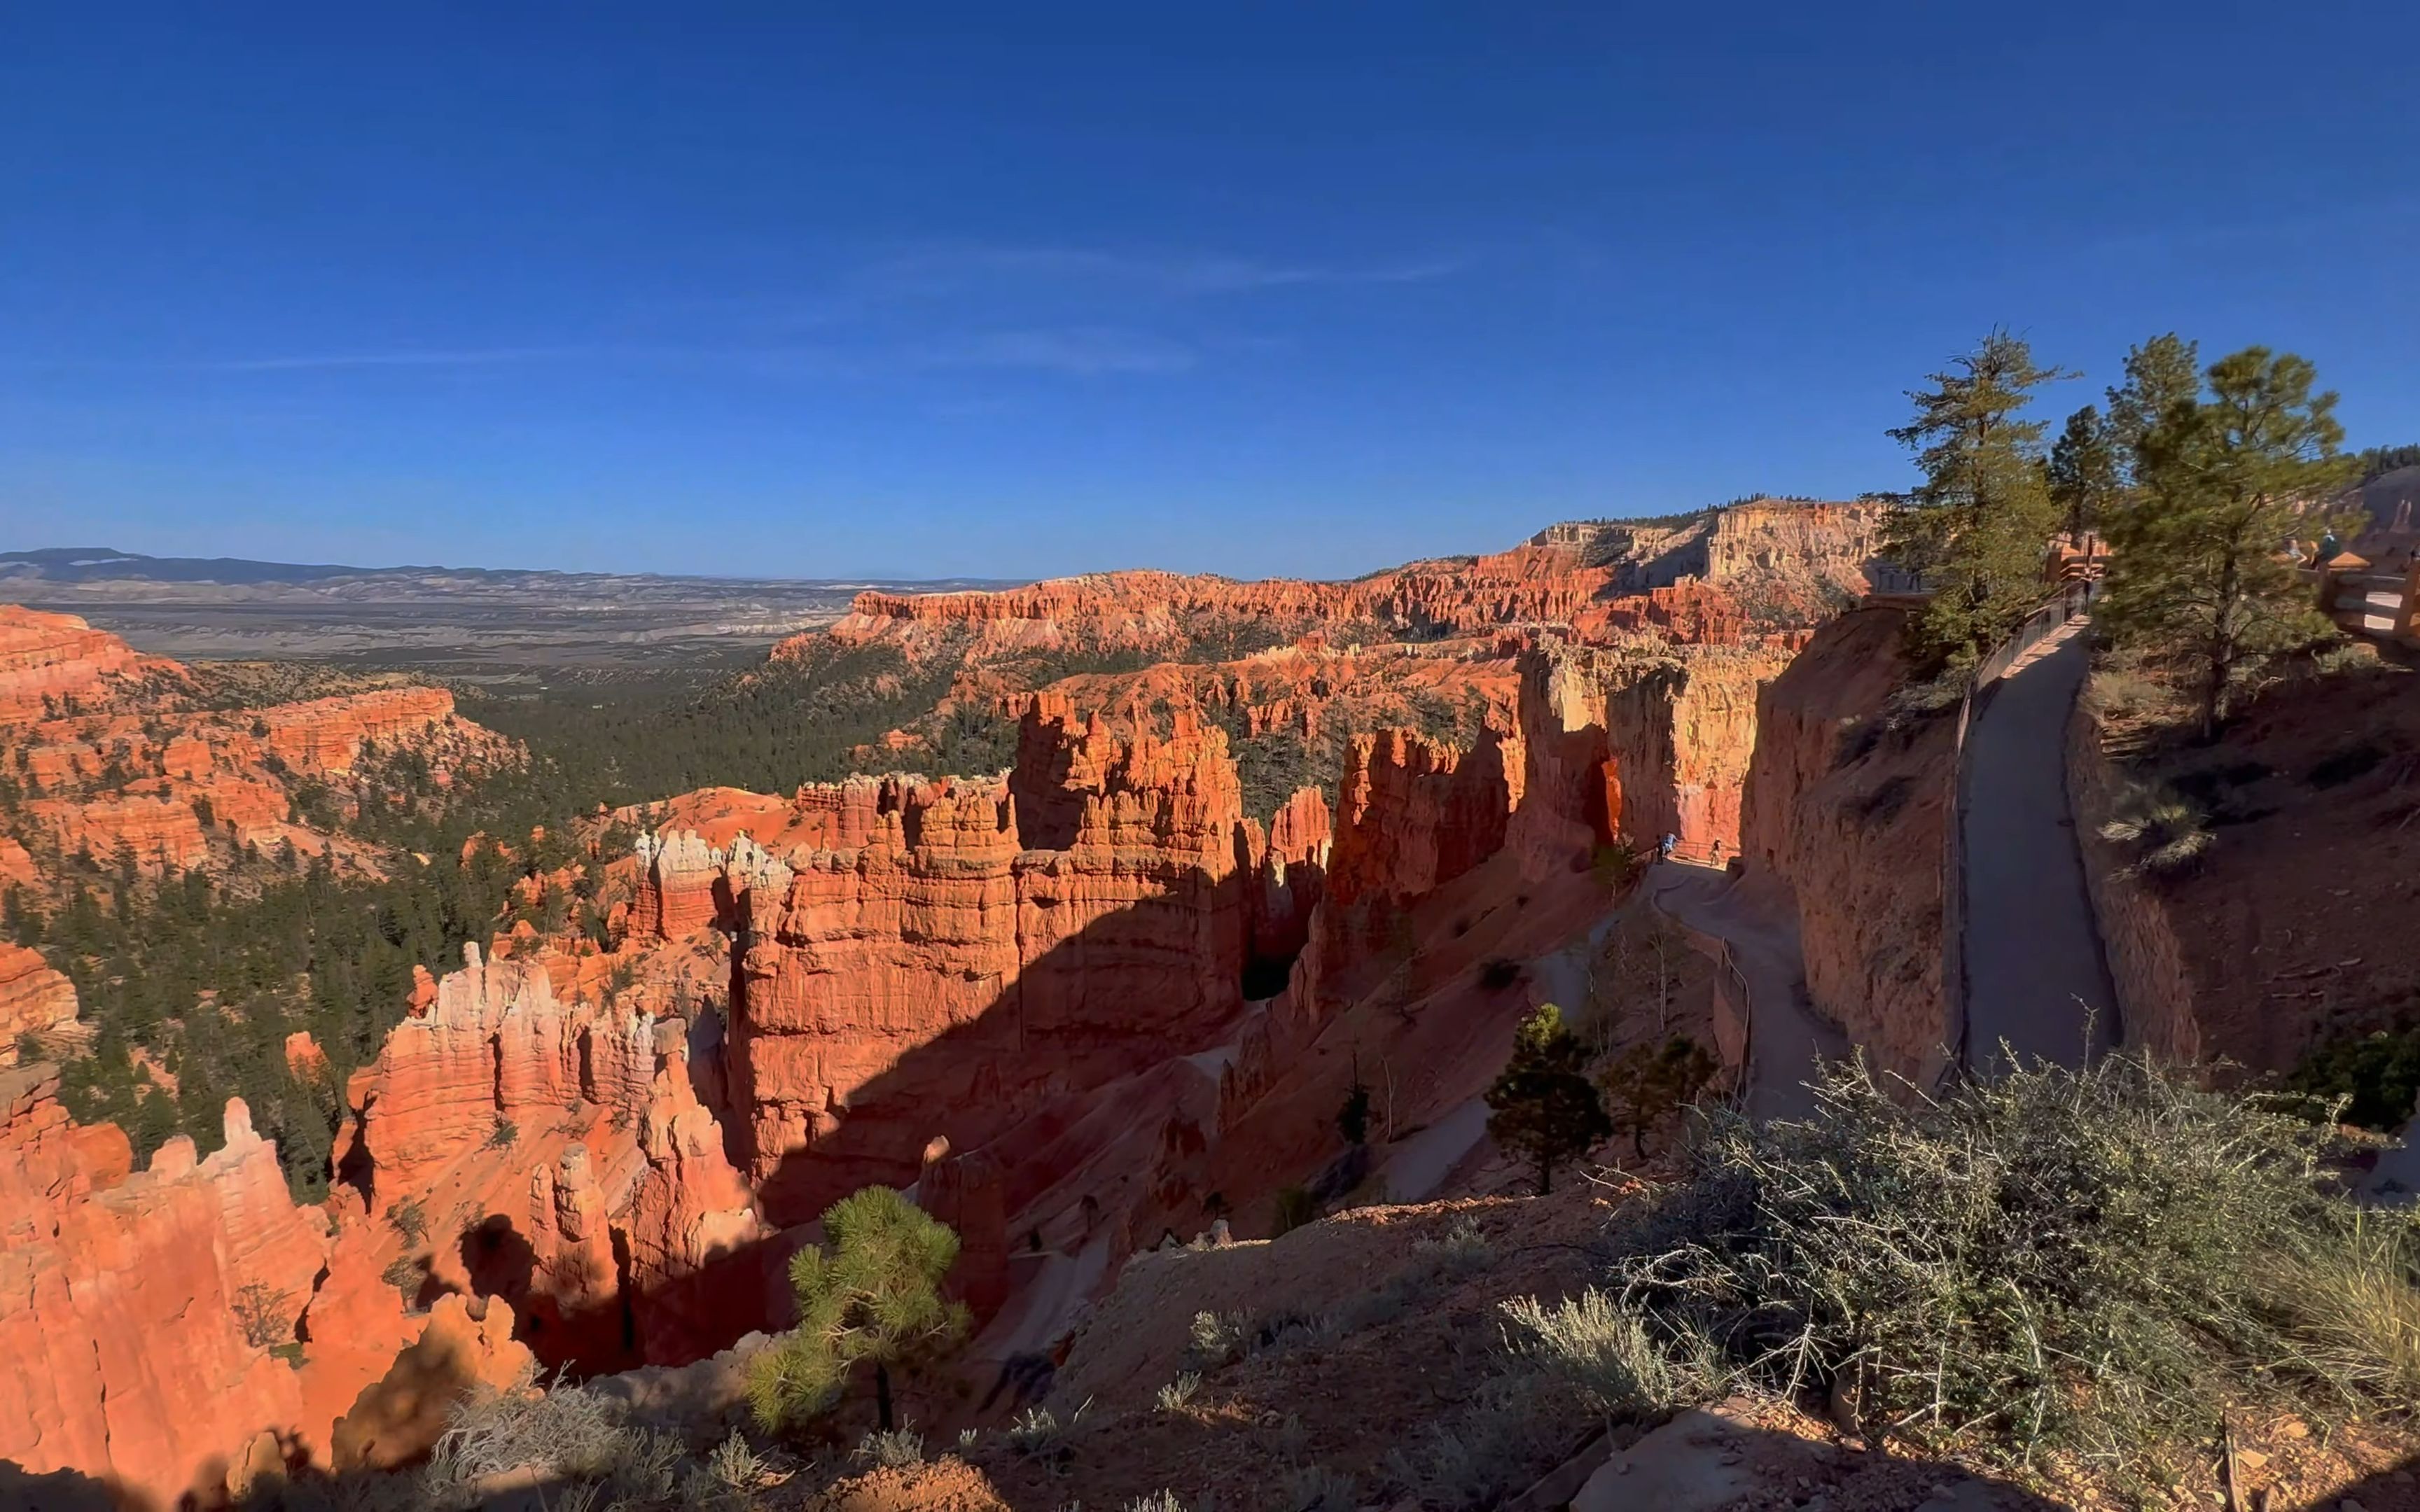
x=113 y=752
x=1071 y=1001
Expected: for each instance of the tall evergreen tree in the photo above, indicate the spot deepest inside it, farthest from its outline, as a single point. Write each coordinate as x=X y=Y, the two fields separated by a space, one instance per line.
x=1543 y=1105
x=2162 y=373
x=1979 y=524
x=2199 y=568
x=2082 y=472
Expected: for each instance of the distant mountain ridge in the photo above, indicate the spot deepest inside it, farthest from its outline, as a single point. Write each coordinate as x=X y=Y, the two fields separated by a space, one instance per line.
x=102 y=563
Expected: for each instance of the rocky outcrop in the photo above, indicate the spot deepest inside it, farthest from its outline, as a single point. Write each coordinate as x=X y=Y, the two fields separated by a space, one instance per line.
x=137 y=1310
x=328 y=734
x=468 y=1346
x=693 y=1233
x=931 y=970
x=116 y=753
x=970 y=1194
x=58 y=658
x=1635 y=743
x=157 y=832
x=1413 y=815
x=33 y=999
x=566 y=1165
x=684 y=883
x=1764 y=565
x=1849 y=807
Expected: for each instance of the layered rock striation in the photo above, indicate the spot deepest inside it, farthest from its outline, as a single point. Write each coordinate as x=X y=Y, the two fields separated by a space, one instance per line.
x=111 y=753
x=33 y=999
x=48 y=661
x=1763 y=565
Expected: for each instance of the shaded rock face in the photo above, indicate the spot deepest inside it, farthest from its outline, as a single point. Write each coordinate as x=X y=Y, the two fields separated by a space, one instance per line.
x=2285 y=935
x=1414 y=815
x=1854 y=819
x=1636 y=743
x=561 y=1153
x=468 y=1345
x=927 y=971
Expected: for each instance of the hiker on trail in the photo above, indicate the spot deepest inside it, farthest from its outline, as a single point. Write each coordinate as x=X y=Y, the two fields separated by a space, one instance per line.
x=1664 y=847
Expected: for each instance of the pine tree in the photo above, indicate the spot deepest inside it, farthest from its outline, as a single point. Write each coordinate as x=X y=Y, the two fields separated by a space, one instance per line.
x=1649 y=1082
x=2082 y=474
x=2161 y=375
x=1543 y=1105
x=1979 y=525
x=2198 y=564
x=871 y=1294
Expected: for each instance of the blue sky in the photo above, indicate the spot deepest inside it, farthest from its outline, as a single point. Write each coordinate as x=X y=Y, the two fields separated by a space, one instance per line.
x=1020 y=290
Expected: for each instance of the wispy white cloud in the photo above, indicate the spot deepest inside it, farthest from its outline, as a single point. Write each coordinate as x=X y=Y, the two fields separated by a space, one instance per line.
x=1083 y=350
x=338 y=361
x=407 y=357
x=942 y=269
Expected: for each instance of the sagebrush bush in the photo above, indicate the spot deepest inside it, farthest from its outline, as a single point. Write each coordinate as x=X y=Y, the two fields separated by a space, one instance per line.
x=1220 y=1338
x=1178 y=1393
x=2080 y=1262
x=1320 y=1488
x=1603 y=1347
x=735 y=1464
x=1033 y=1430
x=564 y=1431
x=898 y=1448
x=1481 y=1453
x=1461 y=1251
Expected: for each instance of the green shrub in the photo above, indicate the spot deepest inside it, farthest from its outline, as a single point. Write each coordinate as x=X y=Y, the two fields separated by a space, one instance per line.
x=409 y=1220
x=2092 y=1263
x=2376 y=1078
x=870 y=1295
x=1605 y=1349
x=1292 y=1207
x=1177 y=1393
x=897 y=1449
x=2166 y=832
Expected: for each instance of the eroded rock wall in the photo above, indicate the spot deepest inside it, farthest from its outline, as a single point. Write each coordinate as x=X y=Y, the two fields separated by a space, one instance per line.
x=1636 y=742
x=137 y=1309
x=1852 y=815
x=928 y=973
x=33 y=999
